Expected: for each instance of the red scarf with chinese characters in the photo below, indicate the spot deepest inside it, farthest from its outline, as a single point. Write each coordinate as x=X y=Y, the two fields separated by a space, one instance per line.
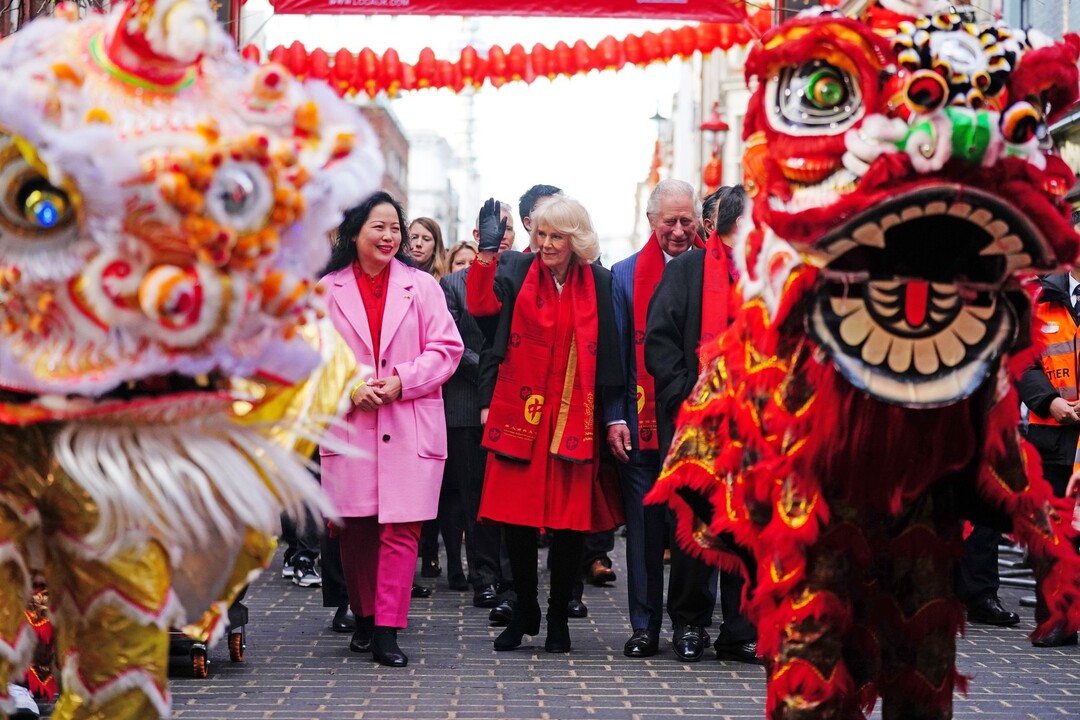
x=715 y=286
x=648 y=270
x=550 y=367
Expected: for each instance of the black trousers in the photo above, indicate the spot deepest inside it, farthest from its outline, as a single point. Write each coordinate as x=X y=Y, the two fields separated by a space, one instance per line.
x=451 y=519
x=691 y=589
x=465 y=464
x=977 y=573
x=564 y=558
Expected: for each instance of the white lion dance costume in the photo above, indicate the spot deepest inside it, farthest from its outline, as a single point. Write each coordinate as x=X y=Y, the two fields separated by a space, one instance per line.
x=163 y=211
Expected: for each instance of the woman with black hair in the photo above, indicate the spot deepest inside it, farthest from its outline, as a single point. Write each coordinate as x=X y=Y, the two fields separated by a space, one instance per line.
x=394 y=318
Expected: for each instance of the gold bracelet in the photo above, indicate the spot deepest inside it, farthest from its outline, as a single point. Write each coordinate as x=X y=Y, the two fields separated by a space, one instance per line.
x=480 y=261
x=357 y=386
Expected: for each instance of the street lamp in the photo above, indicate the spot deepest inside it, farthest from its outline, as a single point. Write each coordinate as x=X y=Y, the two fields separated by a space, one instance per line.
x=716 y=130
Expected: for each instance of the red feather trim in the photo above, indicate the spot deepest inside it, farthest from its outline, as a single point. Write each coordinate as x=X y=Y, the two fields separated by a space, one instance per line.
x=1048 y=75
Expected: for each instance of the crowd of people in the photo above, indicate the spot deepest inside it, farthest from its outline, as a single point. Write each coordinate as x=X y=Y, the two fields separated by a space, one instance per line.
x=520 y=399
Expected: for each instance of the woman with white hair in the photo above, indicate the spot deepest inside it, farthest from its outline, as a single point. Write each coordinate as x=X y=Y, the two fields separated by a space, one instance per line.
x=552 y=337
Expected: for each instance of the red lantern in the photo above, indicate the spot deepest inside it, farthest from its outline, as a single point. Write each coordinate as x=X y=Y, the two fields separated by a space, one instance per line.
x=608 y=54
x=668 y=48
x=408 y=77
x=517 y=64
x=390 y=72
x=708 y=37
x=342 y=71
x=319 y=65
x=296 y=59
x=497 y=66
x=471 y=67
x=425 y=68
x=686 y=40
x=650 y=47
x=365 y=78
x=581 y=61
x=632 y=48
x=250 y=52
x=445 y=77
x=541 y=61
x=713 y=174
x=277 y=55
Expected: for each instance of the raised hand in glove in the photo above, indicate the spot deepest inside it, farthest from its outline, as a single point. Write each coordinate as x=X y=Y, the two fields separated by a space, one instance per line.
x=492 y=226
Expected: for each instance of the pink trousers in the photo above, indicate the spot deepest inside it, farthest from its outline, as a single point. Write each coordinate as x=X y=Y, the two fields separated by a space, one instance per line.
x=379 y=562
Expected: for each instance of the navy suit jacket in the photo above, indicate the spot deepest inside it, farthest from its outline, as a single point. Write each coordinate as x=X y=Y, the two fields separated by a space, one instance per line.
x=623 y=406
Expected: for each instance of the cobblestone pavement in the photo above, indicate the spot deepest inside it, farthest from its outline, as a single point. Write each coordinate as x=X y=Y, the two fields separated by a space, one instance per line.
x=297 y=668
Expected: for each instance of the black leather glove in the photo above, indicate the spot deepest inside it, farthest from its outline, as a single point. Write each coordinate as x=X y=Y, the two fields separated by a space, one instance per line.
x=492 y=226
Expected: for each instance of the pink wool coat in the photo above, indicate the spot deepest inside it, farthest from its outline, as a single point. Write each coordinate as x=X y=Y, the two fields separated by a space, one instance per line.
x=403 y=444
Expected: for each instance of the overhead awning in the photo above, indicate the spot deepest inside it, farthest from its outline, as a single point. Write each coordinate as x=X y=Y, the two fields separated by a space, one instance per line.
x=703 y=10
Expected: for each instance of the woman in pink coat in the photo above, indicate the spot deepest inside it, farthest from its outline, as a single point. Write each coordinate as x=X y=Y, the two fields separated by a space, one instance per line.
x=394 y=317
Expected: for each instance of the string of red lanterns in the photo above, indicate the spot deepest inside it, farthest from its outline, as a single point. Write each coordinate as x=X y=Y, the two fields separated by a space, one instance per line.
x=368 y=72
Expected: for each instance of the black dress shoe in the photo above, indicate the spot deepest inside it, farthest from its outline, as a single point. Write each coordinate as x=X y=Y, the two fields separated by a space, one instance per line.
x=485 y=597
x=576 y=609
x=739 y=652
x=1055 y=638
x=690 y=644
x=642 y=644
x=988 y=611
x=430 y=569
x=419 y=591
x=384 y=648
x=501 y=614
x=526 y=621
x=361 y=639
x=344 y=620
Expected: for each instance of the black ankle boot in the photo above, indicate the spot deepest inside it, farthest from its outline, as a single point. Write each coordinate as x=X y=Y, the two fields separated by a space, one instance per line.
x=361 y=639
x=558 y=629
x=525 y=621
x=384 y=647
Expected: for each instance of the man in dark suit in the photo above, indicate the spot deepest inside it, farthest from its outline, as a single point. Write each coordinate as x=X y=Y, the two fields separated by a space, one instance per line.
x=673 y=212
x=687 y=310
x=465 y=457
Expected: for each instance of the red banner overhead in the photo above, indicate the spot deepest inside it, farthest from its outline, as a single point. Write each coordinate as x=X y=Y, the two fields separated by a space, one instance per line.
x=704 y=10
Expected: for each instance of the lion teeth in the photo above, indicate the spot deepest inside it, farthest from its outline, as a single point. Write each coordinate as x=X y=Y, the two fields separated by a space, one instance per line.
x=870 y=234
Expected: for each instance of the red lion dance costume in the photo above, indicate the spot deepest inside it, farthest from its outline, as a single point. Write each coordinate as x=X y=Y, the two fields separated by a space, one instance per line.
x=164 y=209
x=859 y=407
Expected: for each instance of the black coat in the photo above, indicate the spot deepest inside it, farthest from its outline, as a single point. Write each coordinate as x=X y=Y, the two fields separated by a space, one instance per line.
x=509 y=277
x=672 y=336
x=1056 y=444
x=461 y=394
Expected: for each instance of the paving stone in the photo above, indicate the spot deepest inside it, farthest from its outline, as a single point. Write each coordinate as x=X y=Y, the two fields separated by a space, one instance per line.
x=297 y=668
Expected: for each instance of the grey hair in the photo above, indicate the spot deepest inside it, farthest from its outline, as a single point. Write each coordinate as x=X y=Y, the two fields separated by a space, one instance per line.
x=668 y=188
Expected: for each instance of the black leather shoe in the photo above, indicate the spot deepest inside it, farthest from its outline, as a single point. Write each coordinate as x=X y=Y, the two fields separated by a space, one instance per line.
x=739 y=652
x=642 y=644
x=419 y=591
x=430 y=569
x=361 y=639
x=988 y=611
x=1055 y=638
x=385 y=650
x=690 y=644
x=558 y=632
x=344 y=620
x=576 y=609
x=485 y=597
x=501 y=614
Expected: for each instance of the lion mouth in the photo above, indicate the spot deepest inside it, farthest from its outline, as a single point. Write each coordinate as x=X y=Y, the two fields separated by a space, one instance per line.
x=909 y=303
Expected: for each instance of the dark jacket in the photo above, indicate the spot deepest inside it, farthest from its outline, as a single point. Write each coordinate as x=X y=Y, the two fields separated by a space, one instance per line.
x=672 y=336
x=1056 y=444
x=461 y=394
x=509 y=276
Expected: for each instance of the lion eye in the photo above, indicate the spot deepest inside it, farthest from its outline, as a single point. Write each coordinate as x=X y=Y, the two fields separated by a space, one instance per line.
x=814 y=95
x=240 y=195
